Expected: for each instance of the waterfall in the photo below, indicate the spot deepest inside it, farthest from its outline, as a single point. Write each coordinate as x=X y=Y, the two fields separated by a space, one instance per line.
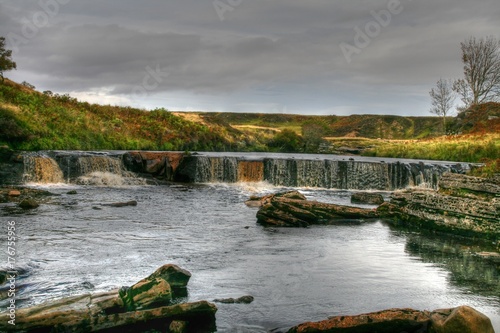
x=216 y=169
x=41 y=169
x=250 y=171
x=104 y=170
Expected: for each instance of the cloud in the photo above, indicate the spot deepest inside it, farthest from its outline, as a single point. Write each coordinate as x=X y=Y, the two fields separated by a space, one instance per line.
x=269 y=53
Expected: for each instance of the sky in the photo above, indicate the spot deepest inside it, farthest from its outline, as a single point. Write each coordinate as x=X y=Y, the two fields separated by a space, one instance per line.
x=320 y=57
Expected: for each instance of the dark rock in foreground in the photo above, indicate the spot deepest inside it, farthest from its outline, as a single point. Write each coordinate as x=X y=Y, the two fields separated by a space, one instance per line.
x=282 y=211
x=145 y=306
x=462 y=319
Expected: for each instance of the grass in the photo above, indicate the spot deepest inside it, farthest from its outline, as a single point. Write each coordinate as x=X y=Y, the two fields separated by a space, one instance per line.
x=30 y=120
x=463 y=148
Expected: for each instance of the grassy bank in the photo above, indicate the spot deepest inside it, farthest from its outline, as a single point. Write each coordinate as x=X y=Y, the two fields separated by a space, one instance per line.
x=465 y=148
x=32 y=120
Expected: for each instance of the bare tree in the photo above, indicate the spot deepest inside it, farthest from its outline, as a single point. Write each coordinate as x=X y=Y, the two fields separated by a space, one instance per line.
x=481 y=59
x=6 y=63
x=442 y=98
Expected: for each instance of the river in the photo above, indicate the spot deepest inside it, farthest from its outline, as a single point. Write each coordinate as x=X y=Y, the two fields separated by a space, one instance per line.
x=73 y=245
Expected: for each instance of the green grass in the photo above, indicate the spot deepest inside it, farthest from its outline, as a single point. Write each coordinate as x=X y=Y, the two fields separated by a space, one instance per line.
x=467 y=148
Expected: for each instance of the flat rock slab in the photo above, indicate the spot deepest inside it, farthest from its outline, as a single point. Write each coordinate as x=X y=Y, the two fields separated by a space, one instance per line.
x=283 y=211
x=462 y=319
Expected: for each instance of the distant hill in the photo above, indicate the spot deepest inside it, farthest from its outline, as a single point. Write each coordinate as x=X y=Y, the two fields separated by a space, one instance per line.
x=32 y=120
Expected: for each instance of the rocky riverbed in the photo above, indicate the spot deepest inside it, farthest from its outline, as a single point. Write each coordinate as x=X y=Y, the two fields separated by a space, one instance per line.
x=149 y=305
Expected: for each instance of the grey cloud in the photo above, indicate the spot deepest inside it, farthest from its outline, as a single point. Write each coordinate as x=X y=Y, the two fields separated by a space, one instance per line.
x=289 y=45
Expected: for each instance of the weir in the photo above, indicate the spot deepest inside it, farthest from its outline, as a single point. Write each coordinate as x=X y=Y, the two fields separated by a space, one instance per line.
x=320 y=171
x=41 y=169
x=310 y=171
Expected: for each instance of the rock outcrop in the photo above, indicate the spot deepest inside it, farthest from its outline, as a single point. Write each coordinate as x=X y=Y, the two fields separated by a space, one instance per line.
x=282 y=211
x=161 y=165
x=462 y=319
x=464 y=205
x=368 y=198
x=148 y=305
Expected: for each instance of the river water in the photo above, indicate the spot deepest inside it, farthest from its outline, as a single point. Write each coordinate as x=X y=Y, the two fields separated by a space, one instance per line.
x=73 y=245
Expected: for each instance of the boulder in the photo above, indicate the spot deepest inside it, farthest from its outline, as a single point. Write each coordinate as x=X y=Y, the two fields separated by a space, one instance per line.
x=286 y=212
x=367 y=198
x=14 y=193
x=29 y=203
x=146 y=306
x=462 y=319
x=173 y=274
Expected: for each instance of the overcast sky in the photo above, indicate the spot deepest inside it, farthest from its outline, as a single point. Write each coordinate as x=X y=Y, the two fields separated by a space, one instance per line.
x=280 y=56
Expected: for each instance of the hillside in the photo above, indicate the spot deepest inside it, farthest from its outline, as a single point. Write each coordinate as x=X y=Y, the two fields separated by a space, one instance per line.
x=31 y=120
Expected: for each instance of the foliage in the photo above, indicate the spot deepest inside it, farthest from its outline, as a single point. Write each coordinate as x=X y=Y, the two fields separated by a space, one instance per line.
x=6 y=62
x=53 y=121
x=313 y=133
x=287 y=141
x=491 y=168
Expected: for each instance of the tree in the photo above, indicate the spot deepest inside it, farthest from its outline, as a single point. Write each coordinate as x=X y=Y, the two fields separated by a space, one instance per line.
x=481 y=82
x=6 y=63
x=312 y=133
x=442 y=98
x=287 y=141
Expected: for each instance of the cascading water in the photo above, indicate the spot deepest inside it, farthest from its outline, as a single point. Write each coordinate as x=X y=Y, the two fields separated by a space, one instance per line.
x=324 y=171
x=320 y=171
x=250 y=171
x=41 y=169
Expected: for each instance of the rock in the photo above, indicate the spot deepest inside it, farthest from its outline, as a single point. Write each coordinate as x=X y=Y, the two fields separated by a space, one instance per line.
x=387 y=321
x=470 y=214
x=240 y=300
x=462 y=319
x=143 y=307
x=457 y=182
x=147 y=294
x=158 y=164
x=367 y=198
x=29 y=204
x=122 y=204
x=261 y=201
x=173 y=274
x=14 y=193
x=177 y=326
x=285 y=212
x=72 y=192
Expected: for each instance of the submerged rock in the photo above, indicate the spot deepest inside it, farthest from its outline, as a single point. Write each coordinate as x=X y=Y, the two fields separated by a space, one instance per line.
x=240 y=300
x=29 y=203
x=282 y=211
x=122 y=204
x=146 y=306
x=462 y=319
